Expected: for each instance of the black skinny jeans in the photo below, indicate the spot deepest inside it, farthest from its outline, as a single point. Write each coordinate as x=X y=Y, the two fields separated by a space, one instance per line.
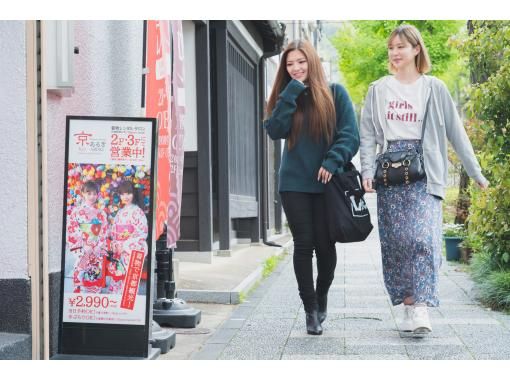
x=306 y=214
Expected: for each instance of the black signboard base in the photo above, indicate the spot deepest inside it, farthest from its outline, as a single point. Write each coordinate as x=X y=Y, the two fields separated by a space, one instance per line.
x=162 y=339
x=176 y=313
x=153 y=355
x=168 y=310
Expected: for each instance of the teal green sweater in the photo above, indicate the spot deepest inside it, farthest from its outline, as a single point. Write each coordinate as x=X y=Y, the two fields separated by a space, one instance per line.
x=300 y=166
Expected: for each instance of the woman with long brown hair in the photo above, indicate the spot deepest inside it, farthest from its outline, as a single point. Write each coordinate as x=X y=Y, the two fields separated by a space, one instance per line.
x=317 y=121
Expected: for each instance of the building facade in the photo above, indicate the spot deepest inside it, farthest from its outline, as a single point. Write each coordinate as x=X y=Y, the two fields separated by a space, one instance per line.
x=227 y=186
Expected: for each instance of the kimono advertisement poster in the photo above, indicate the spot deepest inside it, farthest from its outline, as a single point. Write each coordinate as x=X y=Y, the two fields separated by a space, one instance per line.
x=107 y=226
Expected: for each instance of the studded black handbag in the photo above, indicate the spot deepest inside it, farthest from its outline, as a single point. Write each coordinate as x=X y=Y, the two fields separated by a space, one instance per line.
x=399 y=167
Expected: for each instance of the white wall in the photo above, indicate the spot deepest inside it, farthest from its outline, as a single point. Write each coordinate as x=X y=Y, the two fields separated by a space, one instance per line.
x=107 y=72
x=13 y=151
x=190 y=85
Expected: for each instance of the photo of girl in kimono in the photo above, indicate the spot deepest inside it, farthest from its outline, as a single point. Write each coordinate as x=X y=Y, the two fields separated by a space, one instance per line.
x=87 y=230
x=128 y=233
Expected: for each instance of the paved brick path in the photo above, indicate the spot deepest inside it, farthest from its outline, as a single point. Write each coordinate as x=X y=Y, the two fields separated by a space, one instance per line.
x=361 y=322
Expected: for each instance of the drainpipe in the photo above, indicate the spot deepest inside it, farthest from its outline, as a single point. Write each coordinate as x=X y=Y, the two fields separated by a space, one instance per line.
x=275 y=26
x=34 y=190
x=44 y=204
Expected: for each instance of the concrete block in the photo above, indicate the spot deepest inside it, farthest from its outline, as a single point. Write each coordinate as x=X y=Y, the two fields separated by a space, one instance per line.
x=194 y=256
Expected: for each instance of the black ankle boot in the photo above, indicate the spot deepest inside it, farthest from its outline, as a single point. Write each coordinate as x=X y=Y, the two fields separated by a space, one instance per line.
x=323 y=307
x=313 y=326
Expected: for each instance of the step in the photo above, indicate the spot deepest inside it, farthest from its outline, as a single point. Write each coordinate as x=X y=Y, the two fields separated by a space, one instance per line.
x=15 y=346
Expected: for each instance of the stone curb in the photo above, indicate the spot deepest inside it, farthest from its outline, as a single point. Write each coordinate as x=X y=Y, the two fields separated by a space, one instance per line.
x=232 y=297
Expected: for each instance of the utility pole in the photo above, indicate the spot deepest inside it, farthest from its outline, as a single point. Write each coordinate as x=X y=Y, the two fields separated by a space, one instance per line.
x=316 y=34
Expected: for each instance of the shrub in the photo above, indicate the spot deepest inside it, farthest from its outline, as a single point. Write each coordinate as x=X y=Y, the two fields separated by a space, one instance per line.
x=493 y=286
x=488 y=49
x=454 y=230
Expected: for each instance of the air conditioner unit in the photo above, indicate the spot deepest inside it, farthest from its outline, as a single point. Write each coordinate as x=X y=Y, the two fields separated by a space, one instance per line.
x=59 y=54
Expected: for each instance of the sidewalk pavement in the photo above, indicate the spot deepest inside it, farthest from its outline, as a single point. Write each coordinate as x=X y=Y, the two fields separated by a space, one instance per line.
x=215 y=289
x=361 y=322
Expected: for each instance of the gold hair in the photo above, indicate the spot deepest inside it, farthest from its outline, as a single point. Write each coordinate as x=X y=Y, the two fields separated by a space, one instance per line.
x=413 y=36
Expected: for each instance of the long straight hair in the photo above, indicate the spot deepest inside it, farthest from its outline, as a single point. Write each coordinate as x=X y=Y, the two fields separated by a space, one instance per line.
x=320 y=107
x=412 y=35
x=128 y=187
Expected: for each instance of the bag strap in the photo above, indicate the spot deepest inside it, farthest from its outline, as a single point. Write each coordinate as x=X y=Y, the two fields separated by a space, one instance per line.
x=348 y=166
x=425 y=115
x=351 y=171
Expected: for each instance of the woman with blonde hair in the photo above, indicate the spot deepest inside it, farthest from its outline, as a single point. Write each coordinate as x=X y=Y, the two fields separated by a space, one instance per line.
x=409 y=117
x=317 y=121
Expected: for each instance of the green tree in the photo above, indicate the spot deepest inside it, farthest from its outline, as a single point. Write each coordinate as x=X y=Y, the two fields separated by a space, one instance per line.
x=362 y=48
x=488 y=49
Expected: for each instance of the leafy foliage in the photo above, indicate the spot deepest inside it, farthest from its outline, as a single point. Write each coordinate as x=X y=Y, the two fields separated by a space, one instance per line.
x=449 y=202
x=362 y=47
x=489 y=50
x=493 y=286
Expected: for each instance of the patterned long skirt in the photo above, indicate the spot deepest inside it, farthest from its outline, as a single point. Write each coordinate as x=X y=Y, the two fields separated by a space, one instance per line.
x=410 y=230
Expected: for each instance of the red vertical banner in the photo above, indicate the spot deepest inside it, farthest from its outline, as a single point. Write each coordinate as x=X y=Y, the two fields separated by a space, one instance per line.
x=178 y=106
x=159 y=79
x=132 y=279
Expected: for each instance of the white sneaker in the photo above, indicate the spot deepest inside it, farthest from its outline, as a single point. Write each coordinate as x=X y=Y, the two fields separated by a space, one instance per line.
x=407 y=323
x=421 y=321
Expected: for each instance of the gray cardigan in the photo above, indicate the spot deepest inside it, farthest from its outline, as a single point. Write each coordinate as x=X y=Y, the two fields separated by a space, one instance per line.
x=442 y=124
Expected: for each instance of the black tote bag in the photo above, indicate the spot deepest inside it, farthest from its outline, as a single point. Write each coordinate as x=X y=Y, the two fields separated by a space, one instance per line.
x=348 y=216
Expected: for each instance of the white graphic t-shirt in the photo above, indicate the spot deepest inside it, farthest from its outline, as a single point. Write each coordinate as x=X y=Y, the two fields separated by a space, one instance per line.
x=404 y=109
